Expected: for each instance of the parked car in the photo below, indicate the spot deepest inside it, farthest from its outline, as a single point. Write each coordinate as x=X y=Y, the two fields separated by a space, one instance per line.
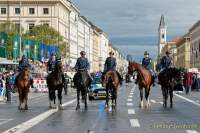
x=97 y=91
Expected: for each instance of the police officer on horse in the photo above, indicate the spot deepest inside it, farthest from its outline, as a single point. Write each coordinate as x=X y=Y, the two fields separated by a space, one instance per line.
x=51 y=63
x=166 y=61
x=110 y=65
x=146 y=62
x=23 y=63
x=82 y=64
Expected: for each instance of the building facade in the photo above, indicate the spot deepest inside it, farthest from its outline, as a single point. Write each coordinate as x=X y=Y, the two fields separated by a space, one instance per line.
x=183 y=52
x=195 y=45
x=73 y=44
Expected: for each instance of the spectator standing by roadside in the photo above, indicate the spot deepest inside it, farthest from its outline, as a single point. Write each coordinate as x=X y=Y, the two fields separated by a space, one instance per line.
x=8 y=87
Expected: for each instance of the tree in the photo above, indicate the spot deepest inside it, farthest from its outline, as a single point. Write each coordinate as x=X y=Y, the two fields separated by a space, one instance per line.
x=11 y=29
x=48 y=35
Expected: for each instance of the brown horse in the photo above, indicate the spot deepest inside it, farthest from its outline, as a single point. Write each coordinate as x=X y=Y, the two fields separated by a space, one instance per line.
x=112 y=84
x=145 y=80
x=23 y=85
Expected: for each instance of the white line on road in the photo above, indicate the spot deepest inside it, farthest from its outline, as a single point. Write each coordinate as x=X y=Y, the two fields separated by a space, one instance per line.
x=129 y=100
x=186 y=99
x=5 y=121
x=130 y=96
x=129 y=104
x=134 y=123
x=131 y=111
x=191 y=131
x=153 y=101
x=131 y=93
x=34 y=121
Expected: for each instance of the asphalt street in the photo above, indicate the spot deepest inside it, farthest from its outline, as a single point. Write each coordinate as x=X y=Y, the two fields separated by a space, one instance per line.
x=128 y=118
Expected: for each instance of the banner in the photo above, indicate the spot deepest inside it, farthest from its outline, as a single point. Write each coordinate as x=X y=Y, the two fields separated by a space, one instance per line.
x=35 y=51
x=26 y=47
x=3 y=38
x=42 y=52
x=15 y=47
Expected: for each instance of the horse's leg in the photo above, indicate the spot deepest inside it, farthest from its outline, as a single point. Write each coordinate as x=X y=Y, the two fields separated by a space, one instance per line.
x=78 y=99
x=50 y=99
x=107 y=98
x=85 y=97
x=171 y=97
x=26 y=101
x=147 y=90
x=141 y=97
x=20 y=99
x=60 y=98
x=54 y=98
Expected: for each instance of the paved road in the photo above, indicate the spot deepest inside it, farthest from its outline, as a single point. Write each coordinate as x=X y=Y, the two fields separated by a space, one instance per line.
x=129 y=118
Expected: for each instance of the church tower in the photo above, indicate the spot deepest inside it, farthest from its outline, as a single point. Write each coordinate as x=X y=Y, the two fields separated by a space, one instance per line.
x=162 y=34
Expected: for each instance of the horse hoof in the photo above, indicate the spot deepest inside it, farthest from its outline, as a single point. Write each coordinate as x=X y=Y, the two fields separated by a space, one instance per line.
x=171 y=106
x=26 y=107
x=54 y=107
x=77 y=107
x=60 y=107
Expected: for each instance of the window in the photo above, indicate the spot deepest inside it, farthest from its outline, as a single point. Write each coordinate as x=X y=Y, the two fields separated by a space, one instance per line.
x=46 y=24
x=31 y=10
x=46 y=10
x=17 y=10
x=163 y=36
x=31 y=25
x=17 y=27
x=3 y=10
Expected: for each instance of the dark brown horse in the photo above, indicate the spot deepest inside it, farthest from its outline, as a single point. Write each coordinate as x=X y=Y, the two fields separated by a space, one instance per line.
x=145 y=80
x=23 y=85
x=168 y=78
x=112 y=84
x=56 y=81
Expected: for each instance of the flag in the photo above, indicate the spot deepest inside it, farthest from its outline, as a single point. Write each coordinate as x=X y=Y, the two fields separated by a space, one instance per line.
x=3 y=38
x=15 y=46
x=42 y=52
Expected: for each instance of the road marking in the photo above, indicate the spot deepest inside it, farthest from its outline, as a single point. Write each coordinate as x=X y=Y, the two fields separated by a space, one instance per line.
x=36 y=120
x=134 y=123
x=131 y=93
x=153 y=101
x=88 y=131
x=191 y=131
x=130 y=96
x=131 y=111
x=186 y=99
x=129 y=104
x=4 y=121
x=129 y=100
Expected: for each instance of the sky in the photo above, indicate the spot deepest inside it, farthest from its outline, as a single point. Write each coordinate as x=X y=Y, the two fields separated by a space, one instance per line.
x=132 y=25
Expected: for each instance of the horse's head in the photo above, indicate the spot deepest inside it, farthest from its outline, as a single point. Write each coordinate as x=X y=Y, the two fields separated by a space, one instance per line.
x=108 y=78
x=132 y=68
x=58 y=66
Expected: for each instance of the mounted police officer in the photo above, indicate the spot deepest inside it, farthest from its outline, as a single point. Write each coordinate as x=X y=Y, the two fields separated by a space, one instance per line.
x=166 y=61
x=51 y=63
x=23 y=63
x=82 y=64
x=110 y=65
x=146 y=61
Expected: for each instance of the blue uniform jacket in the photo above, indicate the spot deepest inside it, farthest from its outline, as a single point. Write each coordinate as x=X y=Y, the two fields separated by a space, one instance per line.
x=146 y=62
x=166 y=62
x=110 y=64
x=82 y=63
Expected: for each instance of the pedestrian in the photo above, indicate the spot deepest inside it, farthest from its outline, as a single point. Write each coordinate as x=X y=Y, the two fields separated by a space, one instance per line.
x=8 y=88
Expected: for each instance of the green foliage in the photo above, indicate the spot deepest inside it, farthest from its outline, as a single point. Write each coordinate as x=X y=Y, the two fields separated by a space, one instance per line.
x=40 y=33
